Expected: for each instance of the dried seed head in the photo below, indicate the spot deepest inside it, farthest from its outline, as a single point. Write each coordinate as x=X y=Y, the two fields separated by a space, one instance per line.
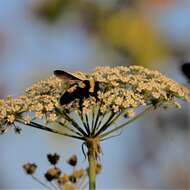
x=69 y=186
x=53 y=158
x=30 y=168
x=72 y=160
x=79 y=173
x=63 y=179
x=52 y=173
x=72 y=179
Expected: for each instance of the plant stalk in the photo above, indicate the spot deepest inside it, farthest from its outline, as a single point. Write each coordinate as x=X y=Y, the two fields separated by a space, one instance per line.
x=92 y=171
x=127 y=123
x=92 y=164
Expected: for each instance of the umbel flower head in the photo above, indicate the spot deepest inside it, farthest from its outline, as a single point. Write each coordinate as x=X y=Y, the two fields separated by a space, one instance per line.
x=122 y=90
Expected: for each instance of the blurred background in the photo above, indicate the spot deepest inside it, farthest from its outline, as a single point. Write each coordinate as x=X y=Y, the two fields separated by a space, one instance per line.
x=39 y=36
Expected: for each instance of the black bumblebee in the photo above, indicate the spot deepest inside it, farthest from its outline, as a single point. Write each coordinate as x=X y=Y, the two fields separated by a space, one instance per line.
x=78 y=88
x=186 y=70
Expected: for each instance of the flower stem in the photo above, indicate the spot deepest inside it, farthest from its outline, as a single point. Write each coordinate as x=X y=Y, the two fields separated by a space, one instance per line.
x=93 y=151
x=92 y=170
x=72 y=121
x=38 y=126
x=126 y=123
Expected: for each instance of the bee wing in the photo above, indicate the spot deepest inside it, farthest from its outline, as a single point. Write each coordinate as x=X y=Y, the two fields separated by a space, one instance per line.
x=66 y=76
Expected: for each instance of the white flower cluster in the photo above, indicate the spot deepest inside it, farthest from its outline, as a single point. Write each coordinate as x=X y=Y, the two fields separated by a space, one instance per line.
x=120 y=88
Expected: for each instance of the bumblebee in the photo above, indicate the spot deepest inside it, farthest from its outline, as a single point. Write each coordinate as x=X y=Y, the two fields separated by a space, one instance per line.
x=78 y=88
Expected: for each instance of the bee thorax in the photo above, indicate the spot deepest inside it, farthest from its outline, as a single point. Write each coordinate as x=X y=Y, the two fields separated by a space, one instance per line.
x=92 y=85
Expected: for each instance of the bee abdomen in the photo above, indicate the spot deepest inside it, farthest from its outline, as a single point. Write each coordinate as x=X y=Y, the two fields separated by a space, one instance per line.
x=67 y=98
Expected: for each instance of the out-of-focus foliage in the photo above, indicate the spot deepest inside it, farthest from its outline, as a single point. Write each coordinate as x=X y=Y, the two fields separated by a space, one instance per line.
x=50 y=9
x=129 y=32
x=160 y=3
x=123 y=28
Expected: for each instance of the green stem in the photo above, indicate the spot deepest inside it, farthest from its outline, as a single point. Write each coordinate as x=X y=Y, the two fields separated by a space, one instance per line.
x=68 y=128
x=94 y=149
x=128 y=122
x=96 y=120
x=104 y=127
x=74 y=124
x=83 y=121
x=87 y=123
x=93 y=115
x=92 y=168
x=100 y=121
x=38 y=126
